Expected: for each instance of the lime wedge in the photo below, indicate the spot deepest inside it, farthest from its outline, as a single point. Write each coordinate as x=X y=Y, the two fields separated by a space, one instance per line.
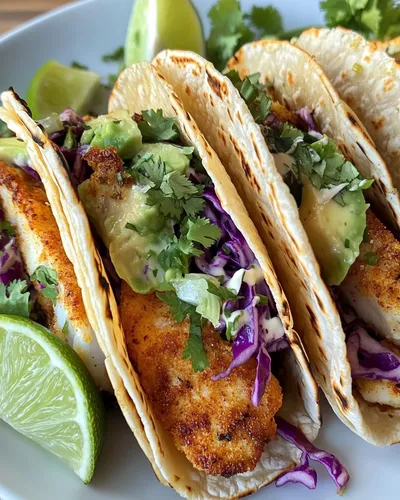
x=162 y=24
x=47 y=394
x=56 y=87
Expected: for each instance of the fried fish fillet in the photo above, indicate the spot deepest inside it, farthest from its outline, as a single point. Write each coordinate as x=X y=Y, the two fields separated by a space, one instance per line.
x=213 y=423
x=374 y=290
x=25 y=206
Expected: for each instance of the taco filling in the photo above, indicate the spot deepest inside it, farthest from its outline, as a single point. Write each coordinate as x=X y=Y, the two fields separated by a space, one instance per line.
x=37 y=280
x=354 y=249
x=201 y=325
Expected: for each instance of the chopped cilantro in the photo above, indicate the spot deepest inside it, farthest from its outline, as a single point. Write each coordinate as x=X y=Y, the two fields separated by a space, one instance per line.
x=366 y=236
x=202 y=231
x=263 y=300
x=177 y=185
x=155 y=127
x=70 y=141
x=254 y=93
x=48 y=280
x=65 y=329
x=116 y=56
x=6 y=226
x=194 y=349
x=14 y=299
x=77 y=65
x=371 y=258
x=4 y=130
x=132 y=227
x=346 y=243
x=266 y=20
x=221 y=291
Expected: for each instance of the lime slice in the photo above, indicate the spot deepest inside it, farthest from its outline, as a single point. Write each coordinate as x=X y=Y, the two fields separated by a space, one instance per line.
x=162 y=24
x=56 y=87
x=47 y=394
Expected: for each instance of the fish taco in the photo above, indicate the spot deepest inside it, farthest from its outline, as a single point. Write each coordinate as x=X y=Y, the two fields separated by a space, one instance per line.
x=305 y=168
x=198 y=334
x=367 y=79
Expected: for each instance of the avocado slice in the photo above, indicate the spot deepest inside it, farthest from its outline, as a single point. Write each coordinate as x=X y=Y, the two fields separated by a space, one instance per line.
x=171 y=155
x=13 y=151
x=335 y=231
x=116 y=130
x=133 y=251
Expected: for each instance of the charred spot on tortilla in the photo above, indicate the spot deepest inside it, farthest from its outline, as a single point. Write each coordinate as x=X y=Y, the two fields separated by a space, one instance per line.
x=104 y=284
x=319 y=301
x=37 y=140
x=342 y=399
x=219 y=88
x=239 y=117
x=313 y=320
x=258 y=154
x=187 y=90
x=21 y=101
x=211 y=100
x=62 y=159
x=377 y=124
x=230 y=115
x=290 y=79
x=207 y=148
x=321 y=351
x=184 y=61
x=388 y=84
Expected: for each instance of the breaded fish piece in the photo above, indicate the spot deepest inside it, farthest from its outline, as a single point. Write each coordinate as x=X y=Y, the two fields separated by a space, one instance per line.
x=213 y=423
x=383 y=392
x=25 y=206
x=374 y=291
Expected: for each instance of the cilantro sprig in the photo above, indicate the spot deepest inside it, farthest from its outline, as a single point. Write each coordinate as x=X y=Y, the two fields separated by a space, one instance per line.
x=48 y=281
x=378 y=19
x=194 y=349
x=231 y=28
x=155 y=127
x=254 y=93
x=14 y=298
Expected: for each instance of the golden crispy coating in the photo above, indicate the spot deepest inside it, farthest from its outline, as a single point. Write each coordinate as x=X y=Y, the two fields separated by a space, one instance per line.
x=213 y=423
x=284 y=114
x=25 y=205
x=383 y=279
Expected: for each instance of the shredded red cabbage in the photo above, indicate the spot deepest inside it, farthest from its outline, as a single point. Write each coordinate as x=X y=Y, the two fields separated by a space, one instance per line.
x=230 y=254
x=370 y=359
x=367 y=356
x=302 y=473
x=11 y=266
x=306 y=116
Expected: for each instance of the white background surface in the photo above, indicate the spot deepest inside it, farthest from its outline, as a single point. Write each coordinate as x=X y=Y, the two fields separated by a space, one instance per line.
x=84 y=32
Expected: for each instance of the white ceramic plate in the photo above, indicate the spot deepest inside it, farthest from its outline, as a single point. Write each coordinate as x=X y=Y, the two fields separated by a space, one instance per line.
x=83 y=32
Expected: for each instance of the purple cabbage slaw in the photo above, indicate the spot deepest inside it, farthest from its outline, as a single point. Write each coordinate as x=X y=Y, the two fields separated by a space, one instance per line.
x=304 y=473
x=368 y=357
x=11 y=266
x=230 y=254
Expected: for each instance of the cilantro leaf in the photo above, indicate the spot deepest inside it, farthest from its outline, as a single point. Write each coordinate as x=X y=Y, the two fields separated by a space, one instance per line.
x=372 y=18
x=221 y=291
x=266 y=20
x=77 y=65
x=178 y=185
x=155 y=127
x=228 y=31
x=48 y=281
x=371 y=258
x=6 y=226
x=202 y=231
x=194 y=349
x=14 y=299
x=254 y=93
x=116 y=56
x=193 y=205
x=177 y=307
